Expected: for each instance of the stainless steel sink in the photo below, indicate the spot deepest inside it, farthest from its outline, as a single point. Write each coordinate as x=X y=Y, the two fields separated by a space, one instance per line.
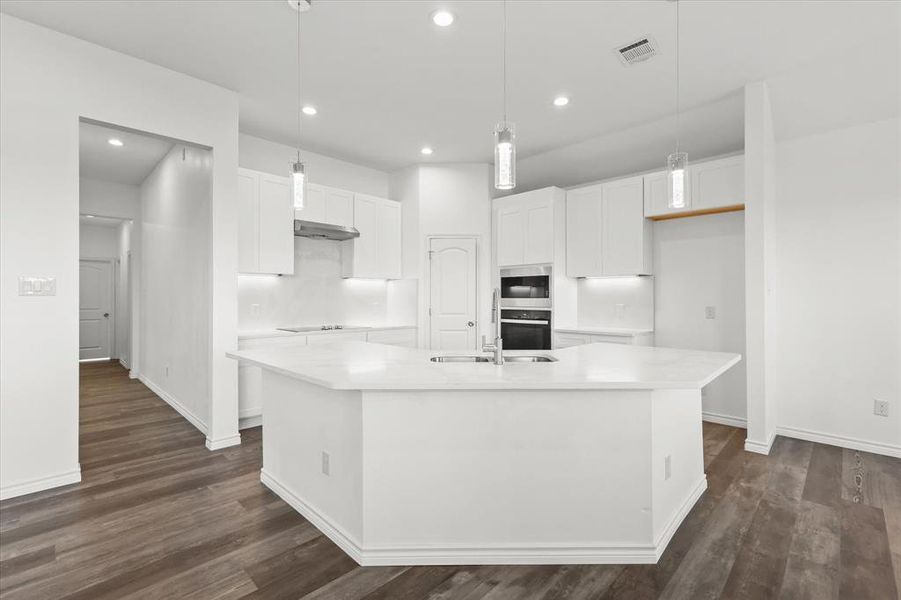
x=460 y=359
x=484 y=359
x=529 y=359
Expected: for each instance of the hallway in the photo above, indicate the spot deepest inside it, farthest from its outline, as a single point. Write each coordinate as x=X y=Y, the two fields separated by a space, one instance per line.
x=159 y=516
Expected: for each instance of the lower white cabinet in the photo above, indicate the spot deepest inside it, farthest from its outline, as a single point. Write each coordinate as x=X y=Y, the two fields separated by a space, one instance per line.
x=338 y=336
x=393 y=337
x=567 y=339
x=265 y=223
x=376 y=254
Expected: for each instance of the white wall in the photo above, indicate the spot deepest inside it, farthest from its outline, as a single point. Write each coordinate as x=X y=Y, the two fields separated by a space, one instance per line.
x=98 y=241
x=174 y=285
x=700 y=262
x=445 y=199
x=271 y=157
x=835 y=293
x=316 y=294
x=598 y=299
x=108 y=199
x=47 y=81
x=124 y=293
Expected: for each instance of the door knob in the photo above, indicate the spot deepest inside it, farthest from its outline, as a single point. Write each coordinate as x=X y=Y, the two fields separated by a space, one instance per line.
x=106 y=315
x=470 y=323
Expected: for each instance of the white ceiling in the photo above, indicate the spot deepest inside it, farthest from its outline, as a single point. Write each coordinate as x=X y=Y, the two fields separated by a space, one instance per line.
x=386 y=81
x=130 y=163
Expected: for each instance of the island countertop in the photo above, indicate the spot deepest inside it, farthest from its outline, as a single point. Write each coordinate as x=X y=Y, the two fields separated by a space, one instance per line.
x=368 y=366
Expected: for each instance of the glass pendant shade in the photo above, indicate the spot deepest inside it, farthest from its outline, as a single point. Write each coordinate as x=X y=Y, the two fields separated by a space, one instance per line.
x=297 y=181
x=504 y=156
x=676 y=168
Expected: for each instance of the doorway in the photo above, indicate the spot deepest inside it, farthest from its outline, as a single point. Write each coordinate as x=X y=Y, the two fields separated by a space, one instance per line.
x=96 y=312
x=453 y=292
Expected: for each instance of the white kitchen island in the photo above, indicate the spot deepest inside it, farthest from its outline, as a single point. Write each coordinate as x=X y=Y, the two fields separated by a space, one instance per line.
x=595 y=458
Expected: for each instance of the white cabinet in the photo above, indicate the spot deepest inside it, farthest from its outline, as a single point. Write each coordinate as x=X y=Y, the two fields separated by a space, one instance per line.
x=718 y=183
x=712 y=185
x=250 y=378
x=524 y=228
x=393 y=337
x=323 y=204
x=266 y=223
x=336 y=336
x=606 y=232
x=377 y=252
x=566 y=340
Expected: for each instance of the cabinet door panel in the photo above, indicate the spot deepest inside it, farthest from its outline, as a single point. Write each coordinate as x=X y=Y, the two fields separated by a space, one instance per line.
x=583 y=219
x=656 y=195
x=276 y=225
x=389 y=239
x=365 y=251
x=539 y=238
x=623 y=228
x=718 y=183
x=612 y=339
x=567 y=340
x=313 y=204
x=339 y=207
x=248 y=223
x=510 y=236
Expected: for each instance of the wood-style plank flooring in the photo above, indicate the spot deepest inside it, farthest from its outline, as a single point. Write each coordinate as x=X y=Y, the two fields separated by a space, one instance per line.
x=159 y=516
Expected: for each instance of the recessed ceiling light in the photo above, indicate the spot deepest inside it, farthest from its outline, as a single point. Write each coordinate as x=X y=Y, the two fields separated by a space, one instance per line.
x=561 y=101
x=115 y=142
x=442 y=18
x=426 y=150
x=309 y=110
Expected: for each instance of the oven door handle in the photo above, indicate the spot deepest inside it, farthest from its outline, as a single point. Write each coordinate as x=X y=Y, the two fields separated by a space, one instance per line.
x=525 y=321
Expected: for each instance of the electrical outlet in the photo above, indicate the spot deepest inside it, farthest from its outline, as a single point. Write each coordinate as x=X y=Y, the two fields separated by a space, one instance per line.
x=709 y=312
x=667 y=467
x=880 y=408
x=254 y=310
x=620 y=311
x=326 y=467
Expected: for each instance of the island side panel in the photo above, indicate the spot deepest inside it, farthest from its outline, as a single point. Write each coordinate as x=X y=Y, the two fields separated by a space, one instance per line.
x=300 y=422
x=476 y=477
x=677 y=436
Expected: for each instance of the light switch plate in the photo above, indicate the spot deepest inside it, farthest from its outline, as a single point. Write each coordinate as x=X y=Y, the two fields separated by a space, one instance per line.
x=709 y=312
x=37 y=286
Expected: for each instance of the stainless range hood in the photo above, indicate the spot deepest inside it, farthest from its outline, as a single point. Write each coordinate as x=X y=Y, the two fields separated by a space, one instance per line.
x=324 y=231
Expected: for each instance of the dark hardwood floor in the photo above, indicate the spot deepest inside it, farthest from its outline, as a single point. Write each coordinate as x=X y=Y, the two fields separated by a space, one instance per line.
x=159 y=516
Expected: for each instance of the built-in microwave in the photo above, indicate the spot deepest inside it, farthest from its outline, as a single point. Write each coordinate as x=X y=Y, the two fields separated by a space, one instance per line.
x=526 y=287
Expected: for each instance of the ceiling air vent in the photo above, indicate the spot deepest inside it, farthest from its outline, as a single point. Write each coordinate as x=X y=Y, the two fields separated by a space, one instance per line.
x=638 y=51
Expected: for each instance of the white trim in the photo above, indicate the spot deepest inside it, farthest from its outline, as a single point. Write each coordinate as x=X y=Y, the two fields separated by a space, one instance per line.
x=174 y=403
x=226 y=442
x=124 y=363
x=101 y=359
x=667 y=533
x=760 y=447
x=42 y=483
x=840 y=441
x=133 y=374
x=249 y=421
x=722 y=419
x=501 y=554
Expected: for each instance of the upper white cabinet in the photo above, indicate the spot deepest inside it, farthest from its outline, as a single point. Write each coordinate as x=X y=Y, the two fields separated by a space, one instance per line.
x=266 y=223
x=606 y=232
x=324 y=204
x=712 y=185
x=524 y=228
x=377 y=252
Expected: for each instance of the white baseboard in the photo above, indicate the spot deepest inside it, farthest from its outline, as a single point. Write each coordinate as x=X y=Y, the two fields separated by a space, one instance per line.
x=663 y=539
x=249 y=421
x=722 y=419
x=90 y=360
x=840 y=441
x=38 y=485
x=760 y=447
x=124 y=362
x=174 y=403
x=133 y=374
x=226 y=442
x=500 y=554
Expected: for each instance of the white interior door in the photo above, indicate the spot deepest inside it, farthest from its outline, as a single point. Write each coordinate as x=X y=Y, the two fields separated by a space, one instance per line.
x=453 y=274
x=95 y=309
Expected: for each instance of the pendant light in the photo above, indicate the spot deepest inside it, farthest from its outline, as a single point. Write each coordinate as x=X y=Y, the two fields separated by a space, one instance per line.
x=677 y=162
x=505 y=137
x=297 y=168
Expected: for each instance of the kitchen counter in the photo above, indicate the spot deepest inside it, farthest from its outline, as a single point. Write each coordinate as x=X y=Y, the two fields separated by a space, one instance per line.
x=363 y=366
x=598 y=330
x=272 y=333
x=594 y=459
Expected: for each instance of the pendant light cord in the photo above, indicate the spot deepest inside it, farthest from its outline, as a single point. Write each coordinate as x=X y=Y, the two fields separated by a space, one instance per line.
x=298 y=85
x=678 y=111
x=505 y=63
